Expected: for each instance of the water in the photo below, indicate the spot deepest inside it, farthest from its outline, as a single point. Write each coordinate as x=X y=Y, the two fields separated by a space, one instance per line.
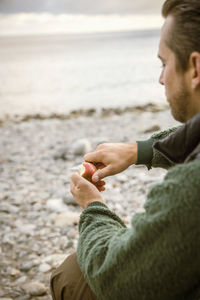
x=60 y=73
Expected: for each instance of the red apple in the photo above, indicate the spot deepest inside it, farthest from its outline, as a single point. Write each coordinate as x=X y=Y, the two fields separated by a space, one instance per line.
x=87 y=170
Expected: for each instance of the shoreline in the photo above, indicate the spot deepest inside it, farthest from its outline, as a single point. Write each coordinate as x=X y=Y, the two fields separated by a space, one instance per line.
x=91 y=112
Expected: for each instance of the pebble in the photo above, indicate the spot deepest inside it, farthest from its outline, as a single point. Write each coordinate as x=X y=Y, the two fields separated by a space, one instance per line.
x=14 y=272
x=72 y=233
x=20 y=280
x=26 y=266
x=81 y=147
x=38 y=215
x=66 y=218
x=55 y=259
x=44 y=268
x=7 y=208
x=34 y=289
x=69 y=200
x=56 y=205
x=62 y=153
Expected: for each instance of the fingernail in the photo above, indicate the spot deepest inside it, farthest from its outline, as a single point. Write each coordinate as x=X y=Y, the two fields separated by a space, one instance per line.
x=96 y=178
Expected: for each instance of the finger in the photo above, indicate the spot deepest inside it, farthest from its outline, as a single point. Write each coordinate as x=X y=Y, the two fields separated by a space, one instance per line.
x=94 y=157
x=72 y=187
x=100 y=183
x=74 y=176
x=78 y=181
x=99 y=165
x=101 y=173
x=101 y=188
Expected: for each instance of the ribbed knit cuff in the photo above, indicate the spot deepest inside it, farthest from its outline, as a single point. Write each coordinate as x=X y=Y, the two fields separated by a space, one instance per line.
x=145 y=152
x=97 y=203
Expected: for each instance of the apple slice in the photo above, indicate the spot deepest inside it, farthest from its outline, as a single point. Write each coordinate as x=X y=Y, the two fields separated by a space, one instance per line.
x=87 y=170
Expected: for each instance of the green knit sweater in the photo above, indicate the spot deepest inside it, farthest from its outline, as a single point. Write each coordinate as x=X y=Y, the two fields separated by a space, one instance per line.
x=157 y=258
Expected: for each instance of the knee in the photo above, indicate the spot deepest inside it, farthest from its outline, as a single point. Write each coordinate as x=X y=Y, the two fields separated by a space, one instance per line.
x=61 y=283
x=60 y=290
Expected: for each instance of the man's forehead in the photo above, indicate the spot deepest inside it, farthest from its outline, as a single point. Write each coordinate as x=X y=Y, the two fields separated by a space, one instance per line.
x=167 y=25
x=163 y=48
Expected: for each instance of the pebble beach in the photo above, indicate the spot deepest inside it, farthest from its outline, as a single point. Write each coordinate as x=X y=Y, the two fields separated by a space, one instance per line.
x=38 y=215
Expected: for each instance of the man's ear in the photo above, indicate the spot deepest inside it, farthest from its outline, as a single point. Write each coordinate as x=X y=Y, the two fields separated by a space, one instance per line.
x=194 y=62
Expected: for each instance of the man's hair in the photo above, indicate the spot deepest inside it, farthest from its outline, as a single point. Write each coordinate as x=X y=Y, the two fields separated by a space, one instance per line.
x=184 y=36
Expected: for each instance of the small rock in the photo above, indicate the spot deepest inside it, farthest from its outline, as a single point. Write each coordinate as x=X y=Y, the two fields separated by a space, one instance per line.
x=69 y=200
x=26 y=266
x=72 y=233
x=14 y=272
x=27 y=228
x=61 y=154
x=34 y=289
x=5 y=299
x=67 y=218
x=20 y=280
x=44 y=268
x=122 y=178
x=55 y=259
x=81 y=147
x=8 y=208
x=56 y=205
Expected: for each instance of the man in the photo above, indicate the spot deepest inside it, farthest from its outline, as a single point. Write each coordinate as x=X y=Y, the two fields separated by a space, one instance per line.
x=157 y=258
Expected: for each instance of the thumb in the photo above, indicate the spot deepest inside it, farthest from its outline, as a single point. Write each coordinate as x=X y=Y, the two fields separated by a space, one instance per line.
x=101 y=173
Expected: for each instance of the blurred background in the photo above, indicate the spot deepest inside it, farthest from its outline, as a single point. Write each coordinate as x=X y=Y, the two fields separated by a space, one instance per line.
x=61 y=55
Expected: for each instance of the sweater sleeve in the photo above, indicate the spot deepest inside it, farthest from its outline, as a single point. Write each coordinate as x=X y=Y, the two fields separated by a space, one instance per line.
x=149 y=156
x=157 y=258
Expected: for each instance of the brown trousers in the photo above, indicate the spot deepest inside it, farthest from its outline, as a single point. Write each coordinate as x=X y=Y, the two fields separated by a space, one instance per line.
x=67 y=282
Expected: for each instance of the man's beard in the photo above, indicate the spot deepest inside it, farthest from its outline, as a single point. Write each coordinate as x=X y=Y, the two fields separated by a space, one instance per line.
x=179 y=105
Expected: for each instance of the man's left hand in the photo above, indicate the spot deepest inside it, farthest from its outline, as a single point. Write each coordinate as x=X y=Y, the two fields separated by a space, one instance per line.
x=84 y=192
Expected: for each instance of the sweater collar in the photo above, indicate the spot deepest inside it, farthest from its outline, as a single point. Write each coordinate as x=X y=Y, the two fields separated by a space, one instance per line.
x=183 y=145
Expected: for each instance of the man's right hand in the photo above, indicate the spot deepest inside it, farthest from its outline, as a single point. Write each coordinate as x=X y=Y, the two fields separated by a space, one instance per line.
x=112 y=158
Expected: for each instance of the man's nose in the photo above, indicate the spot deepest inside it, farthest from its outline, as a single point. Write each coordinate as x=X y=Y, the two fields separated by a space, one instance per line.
x=161 y=81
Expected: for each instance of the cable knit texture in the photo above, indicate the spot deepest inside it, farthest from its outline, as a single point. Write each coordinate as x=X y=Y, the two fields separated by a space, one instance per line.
x=157 y=258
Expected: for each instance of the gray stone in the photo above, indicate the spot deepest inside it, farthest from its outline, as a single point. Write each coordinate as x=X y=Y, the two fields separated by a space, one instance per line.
x=69 y=200
x=44 y=268
x=122 y=178
x=55 y=259
x=20 y=280
x=27 y=228
x=67 y=218
x=61 y=154
x=13 y=272
x=8 y=208
x=26 y=266
x=72 y=233
x=34 y=289
x=81 y=147
x=56 y=205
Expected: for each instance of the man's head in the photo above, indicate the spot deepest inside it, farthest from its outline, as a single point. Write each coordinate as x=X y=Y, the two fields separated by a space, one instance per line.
x=179 y=51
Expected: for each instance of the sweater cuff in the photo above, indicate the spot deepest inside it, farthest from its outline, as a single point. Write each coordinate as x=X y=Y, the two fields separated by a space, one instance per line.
x=145 y=152
x=96 y=203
